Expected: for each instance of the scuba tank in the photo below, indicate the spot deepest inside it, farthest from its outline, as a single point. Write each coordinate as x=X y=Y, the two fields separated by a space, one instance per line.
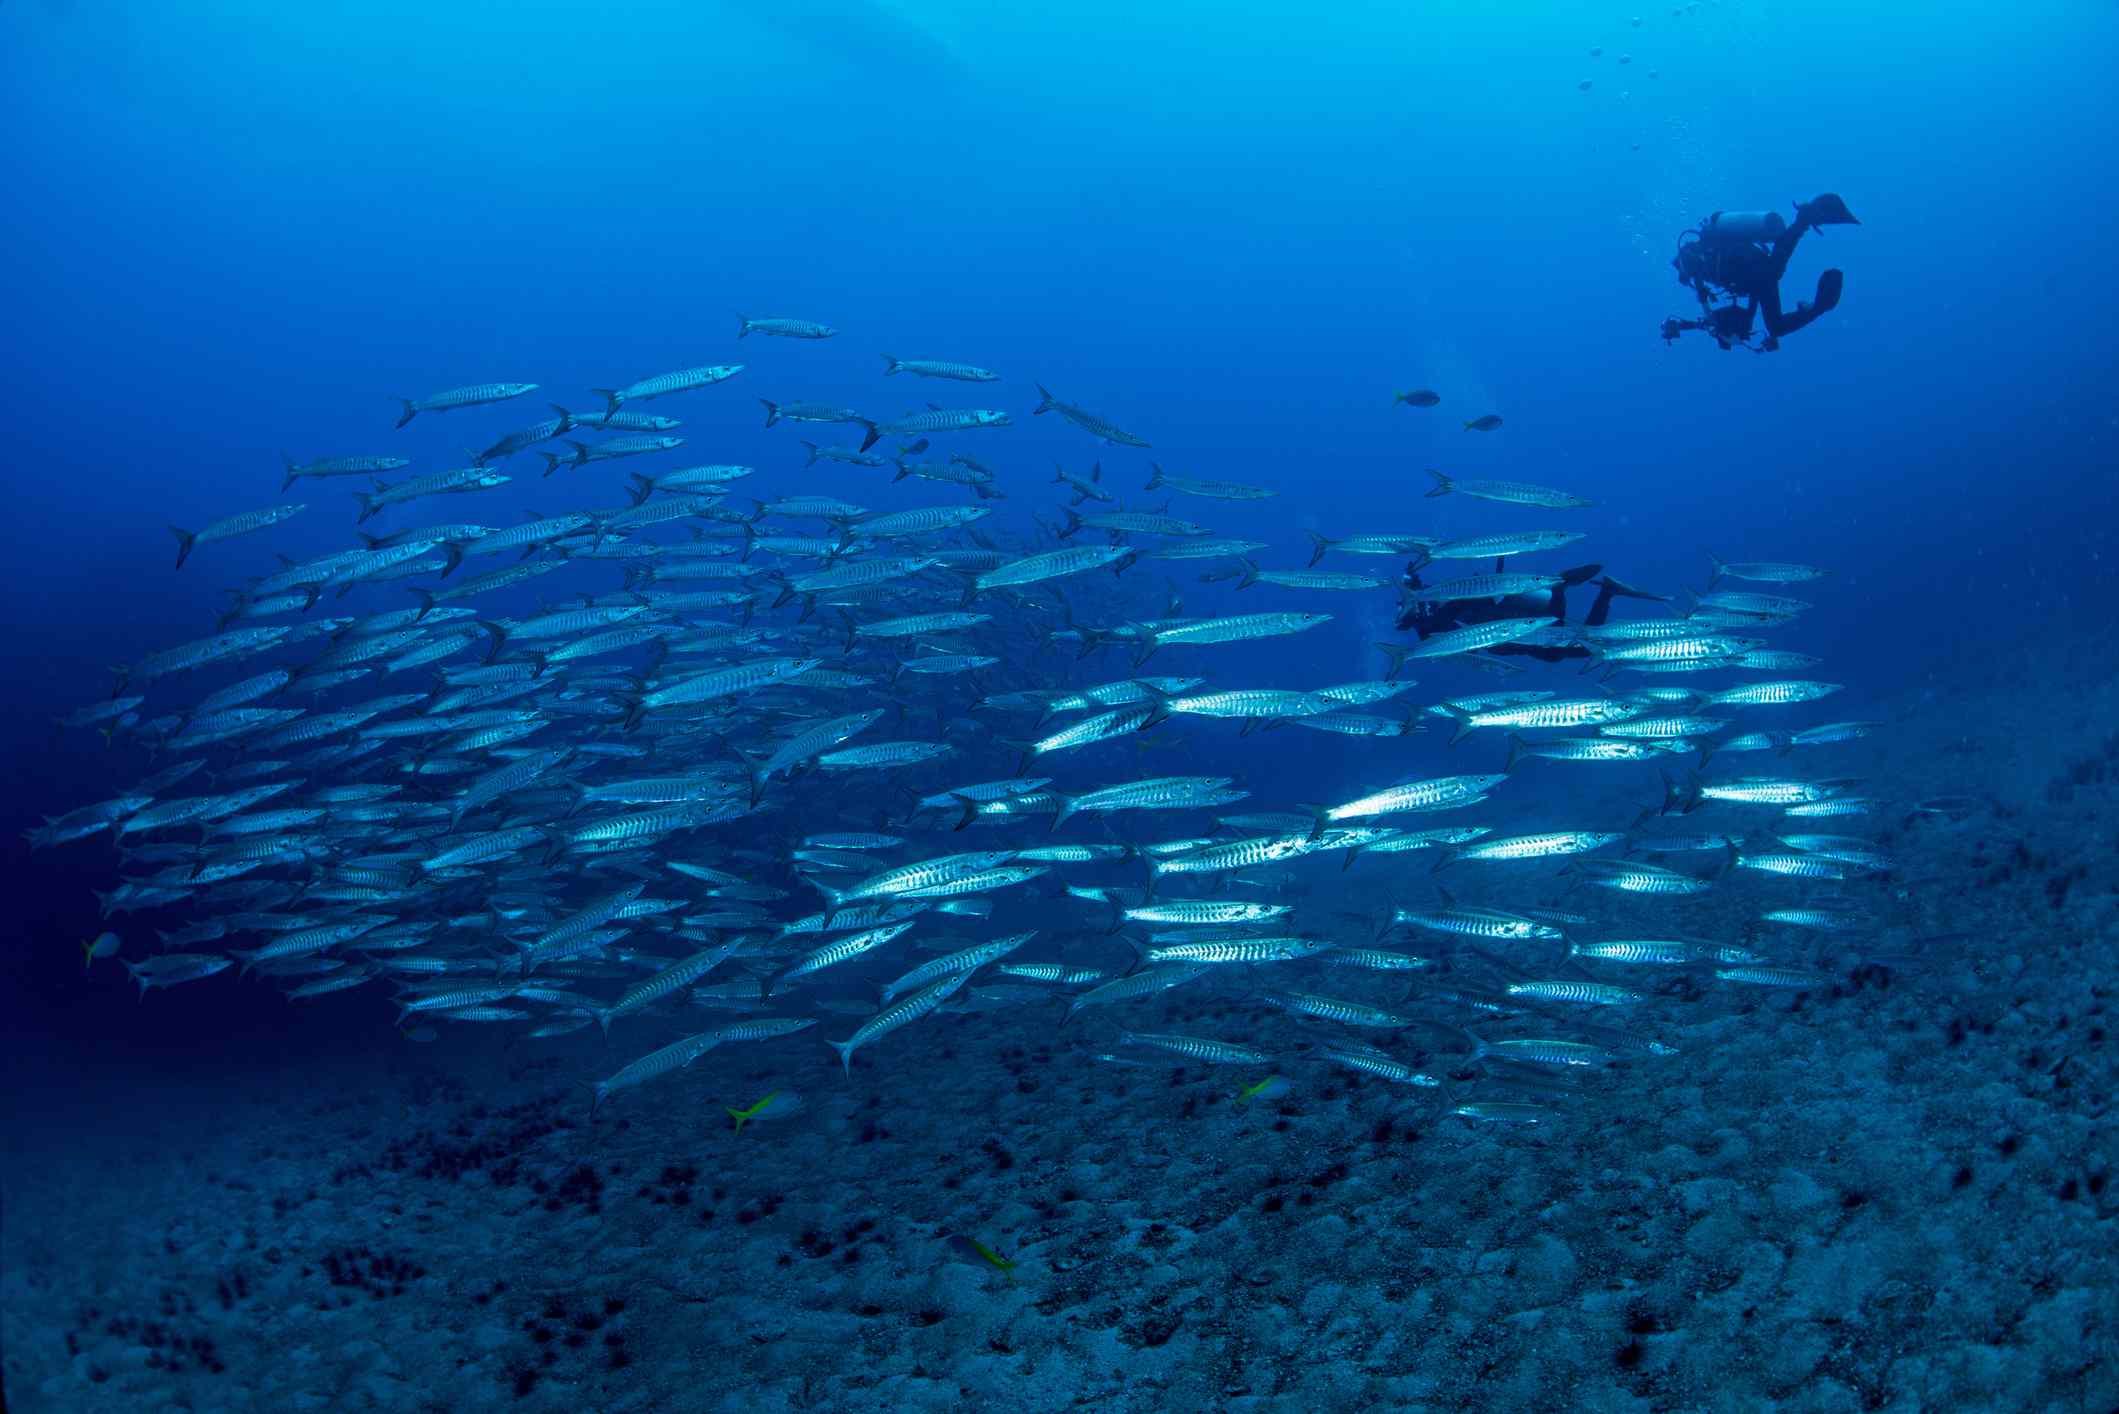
x=1730 y=227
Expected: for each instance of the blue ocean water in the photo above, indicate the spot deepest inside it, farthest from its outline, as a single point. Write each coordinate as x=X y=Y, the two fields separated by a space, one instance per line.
x=240 y=229
x=243 y=228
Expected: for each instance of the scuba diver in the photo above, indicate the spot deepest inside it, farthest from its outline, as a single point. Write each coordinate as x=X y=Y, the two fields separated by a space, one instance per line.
x=1733 y=261
x=1425 y=619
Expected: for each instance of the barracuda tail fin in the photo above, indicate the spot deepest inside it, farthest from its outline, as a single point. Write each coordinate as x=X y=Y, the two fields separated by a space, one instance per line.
x=772 y=409
x=812 y=452
x=1725 y=862
x=1046 y=401
x=971 y=810
x=1319 y=545
x=834 y=897
x=186 y=540
x=845 y=1050
x=1156 y=481
x=870 y=435
x=1156 y=869
x=1462 y=718
x=1159 y=708
x=1516 y=747
x=411 y=411
x=891 y=364
x=1681 y=799
x=1443 y=484
x=1662 y=807
x=611 y=398
x=293 y=471
x=1397 y=653
x=1249 y=576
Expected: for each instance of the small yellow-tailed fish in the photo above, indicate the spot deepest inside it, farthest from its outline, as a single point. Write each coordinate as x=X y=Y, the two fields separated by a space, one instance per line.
x=1270 y=1088
x=779 y=1102
x=970 y=1249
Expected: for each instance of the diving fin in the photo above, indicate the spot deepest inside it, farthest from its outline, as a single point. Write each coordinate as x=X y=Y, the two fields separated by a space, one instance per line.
x=1829 y=285
x=1622 y=589
x=1827 y=210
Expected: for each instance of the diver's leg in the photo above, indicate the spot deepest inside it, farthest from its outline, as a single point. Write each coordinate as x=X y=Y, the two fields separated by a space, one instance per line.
x=1768 y=304
x=1556 y=601
x=1829 y=286
x=1784 y=244
x=1528 y=650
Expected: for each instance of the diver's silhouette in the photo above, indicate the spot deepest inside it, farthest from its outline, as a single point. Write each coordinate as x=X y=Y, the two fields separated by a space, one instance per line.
x=1426 y=619
x=1733 y=261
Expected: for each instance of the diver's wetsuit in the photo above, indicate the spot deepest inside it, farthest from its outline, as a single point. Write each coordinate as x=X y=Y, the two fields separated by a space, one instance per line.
x=1426 y=619
x=1750 y=273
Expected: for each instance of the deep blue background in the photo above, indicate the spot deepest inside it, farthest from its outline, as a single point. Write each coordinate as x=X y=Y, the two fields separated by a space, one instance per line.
x=241 y=227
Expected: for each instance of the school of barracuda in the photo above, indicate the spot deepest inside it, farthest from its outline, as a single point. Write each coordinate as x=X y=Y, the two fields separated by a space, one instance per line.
x=813 y=767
